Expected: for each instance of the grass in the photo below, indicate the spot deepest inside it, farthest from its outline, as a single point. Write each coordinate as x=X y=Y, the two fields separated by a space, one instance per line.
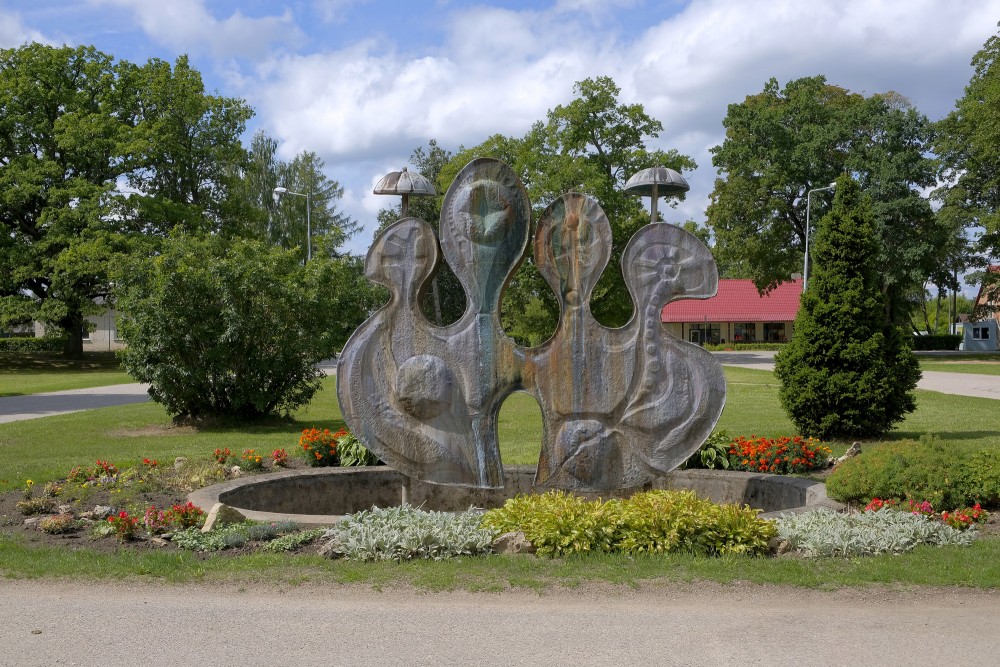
x=977 y=566
x=36 y=372
x=45 y=449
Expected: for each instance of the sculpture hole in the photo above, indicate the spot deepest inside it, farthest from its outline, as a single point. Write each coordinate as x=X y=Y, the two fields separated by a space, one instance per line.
x=519 y=429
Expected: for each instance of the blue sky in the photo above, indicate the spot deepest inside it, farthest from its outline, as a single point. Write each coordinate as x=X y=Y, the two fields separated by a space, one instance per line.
x=364 y=82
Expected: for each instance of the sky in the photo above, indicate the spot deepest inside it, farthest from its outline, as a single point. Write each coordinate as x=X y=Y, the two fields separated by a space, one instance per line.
x=364 y=82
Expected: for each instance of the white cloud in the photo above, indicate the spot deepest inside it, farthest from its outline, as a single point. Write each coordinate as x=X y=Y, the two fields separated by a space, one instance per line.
x=333 y=11
x=188 y=26
x=14 y=33
x=365 y=106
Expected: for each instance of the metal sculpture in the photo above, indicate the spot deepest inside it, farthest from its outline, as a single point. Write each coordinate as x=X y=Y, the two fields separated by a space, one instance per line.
x=620 y=407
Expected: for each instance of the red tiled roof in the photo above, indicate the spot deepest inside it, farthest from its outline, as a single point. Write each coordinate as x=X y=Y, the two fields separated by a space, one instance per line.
x=738 y=301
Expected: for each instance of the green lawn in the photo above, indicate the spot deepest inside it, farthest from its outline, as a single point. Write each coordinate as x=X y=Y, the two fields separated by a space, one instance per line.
x=36 y=372
x=44 y=449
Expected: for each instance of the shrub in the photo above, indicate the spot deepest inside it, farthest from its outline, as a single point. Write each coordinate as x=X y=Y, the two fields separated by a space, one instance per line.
x=979 y=474
x=848 y=371
x=33 y=506
x=924 y=470
x=781 y=456
x=406 y=533
x=43 y=344
x=232 y=536
x=823 y=532
x=937 y=342
x=279 y=458
x=233 y=328
x=714 y=452
x=294 y=540
x=559 y=523
x=222 y=456
x=59 y=524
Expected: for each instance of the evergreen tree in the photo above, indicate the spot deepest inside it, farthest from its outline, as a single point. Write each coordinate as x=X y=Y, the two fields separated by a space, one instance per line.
x=846 y=372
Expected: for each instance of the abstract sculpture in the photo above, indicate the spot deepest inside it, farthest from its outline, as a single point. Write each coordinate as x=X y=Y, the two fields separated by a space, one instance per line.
x=620 y=407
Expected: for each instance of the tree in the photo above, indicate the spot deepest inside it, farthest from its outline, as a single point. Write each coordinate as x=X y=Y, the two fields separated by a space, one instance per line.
x=75 y=124
x=967 y=142
x=846 y=372
x=592 y=145
x=782 y=143
x=232 y=328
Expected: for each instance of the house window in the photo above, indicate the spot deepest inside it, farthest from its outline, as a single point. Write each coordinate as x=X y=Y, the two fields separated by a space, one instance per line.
x=744 y=332
x=980 y=333
x=774 y=332
x=86 y=332
x=705 y=333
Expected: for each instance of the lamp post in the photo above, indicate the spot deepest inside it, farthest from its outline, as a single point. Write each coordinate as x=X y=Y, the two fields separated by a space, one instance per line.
x=281 y=192
x=805 y=264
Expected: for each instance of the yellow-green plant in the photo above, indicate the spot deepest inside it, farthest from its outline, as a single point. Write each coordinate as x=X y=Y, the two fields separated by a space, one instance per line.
x=559 y=523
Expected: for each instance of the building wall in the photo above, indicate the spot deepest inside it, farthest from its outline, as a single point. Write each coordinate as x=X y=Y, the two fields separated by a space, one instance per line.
x=102 y=335
x=726 y=330
x=987 y=343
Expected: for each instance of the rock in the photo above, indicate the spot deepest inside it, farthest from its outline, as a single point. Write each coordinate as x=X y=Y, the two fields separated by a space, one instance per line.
x=221 y=514
x=513 y=543
x=33 y=520
x=329 y=549
x=236 y=471
x=158 y=541
x=101 y=512
x=778 y=545
x=854 y=450
x=65 y=509
x=180 y=462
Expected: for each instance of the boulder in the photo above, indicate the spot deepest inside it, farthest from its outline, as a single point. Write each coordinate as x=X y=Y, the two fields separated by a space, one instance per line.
x=221 y=514
x=513 y=543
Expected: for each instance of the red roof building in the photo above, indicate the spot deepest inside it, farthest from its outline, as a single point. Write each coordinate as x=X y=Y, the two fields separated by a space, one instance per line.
x=738 y=314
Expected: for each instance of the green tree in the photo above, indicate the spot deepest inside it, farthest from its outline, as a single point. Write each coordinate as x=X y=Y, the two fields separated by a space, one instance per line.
x=967 y=142
x=59 y=125
x=232 y=328
x=846 y=372
x=181 y=152
x=592 y=145
x=782 y=143
x=74 y=124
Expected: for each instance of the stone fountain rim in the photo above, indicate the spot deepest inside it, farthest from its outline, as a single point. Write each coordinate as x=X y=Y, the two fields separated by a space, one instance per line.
x=814 y=492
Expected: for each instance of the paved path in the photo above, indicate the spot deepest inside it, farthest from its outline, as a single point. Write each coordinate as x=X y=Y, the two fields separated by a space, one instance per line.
x=960 y=384
x=31 y=406
x=54 y=622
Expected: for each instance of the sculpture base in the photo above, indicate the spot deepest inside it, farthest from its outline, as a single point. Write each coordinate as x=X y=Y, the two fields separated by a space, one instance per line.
x=322 y=496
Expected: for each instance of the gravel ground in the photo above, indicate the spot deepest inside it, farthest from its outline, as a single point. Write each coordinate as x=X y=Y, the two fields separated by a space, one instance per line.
x=54 y=622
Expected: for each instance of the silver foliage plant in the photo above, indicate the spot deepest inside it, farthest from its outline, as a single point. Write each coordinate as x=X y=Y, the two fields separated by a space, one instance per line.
x=823 y=532
x=407 y=533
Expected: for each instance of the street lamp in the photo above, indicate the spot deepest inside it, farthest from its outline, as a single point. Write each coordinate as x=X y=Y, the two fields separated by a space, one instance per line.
x=805 y=265
x=278 y=193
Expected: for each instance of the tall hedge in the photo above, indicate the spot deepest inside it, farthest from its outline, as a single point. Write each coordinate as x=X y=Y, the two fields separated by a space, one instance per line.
x=847 y=372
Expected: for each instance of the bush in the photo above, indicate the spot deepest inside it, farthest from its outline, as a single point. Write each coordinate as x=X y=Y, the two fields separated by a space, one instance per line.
x=744 y=347
x=559 y=523
x=924 y=470
x=232 y=328
x=406 y=533
x=823 y=532
x=847 y=371
x=43 y=344
x=59 y=524
x=714 y=453
x=937 y=342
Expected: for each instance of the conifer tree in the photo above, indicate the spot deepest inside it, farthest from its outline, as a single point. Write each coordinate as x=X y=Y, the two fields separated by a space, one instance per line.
x=848 y=371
